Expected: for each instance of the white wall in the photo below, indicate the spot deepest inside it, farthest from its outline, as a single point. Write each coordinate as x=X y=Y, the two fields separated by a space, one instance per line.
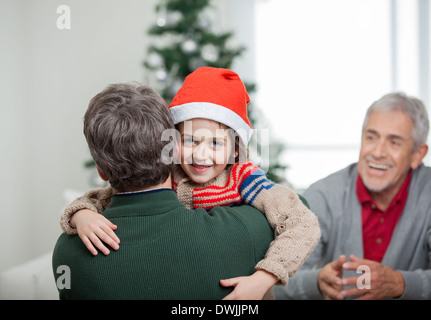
x=238 y=16
x=47 y=77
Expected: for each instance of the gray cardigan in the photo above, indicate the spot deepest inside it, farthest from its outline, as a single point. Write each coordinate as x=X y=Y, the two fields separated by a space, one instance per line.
x=334 y=201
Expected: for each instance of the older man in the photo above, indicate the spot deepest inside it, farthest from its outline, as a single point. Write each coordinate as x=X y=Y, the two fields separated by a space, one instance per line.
x=375 y=215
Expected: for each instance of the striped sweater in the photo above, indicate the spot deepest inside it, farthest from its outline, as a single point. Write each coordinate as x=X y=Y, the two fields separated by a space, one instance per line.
x=296 y=229
x=243 y=183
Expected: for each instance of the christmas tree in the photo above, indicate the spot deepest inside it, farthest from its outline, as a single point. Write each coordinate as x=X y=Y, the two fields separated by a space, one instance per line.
x=184 y=41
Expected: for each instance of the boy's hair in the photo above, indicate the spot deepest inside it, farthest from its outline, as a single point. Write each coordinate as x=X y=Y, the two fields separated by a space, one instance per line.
x=123 y=127
x=238 y=147
x=411 y=106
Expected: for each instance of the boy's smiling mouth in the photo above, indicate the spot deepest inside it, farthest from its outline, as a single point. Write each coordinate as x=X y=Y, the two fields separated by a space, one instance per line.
x=200 y=168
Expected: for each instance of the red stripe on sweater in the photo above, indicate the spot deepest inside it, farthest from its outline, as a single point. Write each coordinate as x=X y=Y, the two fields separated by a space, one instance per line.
x=234 y=196
x=233 y=181
x=228 y=194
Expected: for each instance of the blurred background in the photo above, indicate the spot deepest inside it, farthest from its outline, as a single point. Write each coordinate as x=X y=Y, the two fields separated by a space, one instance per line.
x=312 y=67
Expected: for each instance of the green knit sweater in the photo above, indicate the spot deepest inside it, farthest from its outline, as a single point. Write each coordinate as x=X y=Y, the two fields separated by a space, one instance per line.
x=166 y=250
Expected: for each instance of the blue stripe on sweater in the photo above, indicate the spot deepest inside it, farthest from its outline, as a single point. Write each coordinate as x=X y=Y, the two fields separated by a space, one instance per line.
x=255 y=185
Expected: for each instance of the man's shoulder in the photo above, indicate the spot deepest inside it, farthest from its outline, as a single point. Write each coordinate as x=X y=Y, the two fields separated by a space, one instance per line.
x=65 y=239
x=237 y=213
x=245 y=215
x=421 y=180
x=246 y=227
x=69 y=252
x=424 y=172
x=67 y=245
x=238 y=210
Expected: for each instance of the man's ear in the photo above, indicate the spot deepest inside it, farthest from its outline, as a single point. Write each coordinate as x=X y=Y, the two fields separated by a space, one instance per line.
x=102 y=176
x=418 y=156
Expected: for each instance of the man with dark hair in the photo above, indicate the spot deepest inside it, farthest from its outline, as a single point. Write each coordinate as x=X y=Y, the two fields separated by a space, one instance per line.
x=167 y=251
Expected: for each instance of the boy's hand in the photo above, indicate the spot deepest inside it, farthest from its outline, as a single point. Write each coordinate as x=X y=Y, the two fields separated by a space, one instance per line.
x=251 y=287
x=93 y=227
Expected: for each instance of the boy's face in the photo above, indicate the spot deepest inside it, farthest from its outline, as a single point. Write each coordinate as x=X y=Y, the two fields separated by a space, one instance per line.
x=206 y=148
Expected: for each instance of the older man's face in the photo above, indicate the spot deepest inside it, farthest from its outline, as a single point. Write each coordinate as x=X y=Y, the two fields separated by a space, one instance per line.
x=387 y=151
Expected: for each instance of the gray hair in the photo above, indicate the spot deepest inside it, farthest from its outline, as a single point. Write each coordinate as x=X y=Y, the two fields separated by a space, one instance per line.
x=123 y=126
x=411 y=106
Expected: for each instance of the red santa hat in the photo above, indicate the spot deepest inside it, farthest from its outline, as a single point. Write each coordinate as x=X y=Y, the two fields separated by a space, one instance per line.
x=216 y=94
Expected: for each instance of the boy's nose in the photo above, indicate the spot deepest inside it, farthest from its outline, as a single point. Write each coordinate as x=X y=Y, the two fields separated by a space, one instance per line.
x=200 y=153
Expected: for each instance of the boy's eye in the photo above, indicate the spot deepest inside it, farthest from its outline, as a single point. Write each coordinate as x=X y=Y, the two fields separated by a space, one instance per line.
x=188 y=140
x=217 y=143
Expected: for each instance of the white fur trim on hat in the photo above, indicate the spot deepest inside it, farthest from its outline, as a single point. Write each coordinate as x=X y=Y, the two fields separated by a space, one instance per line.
x=214 y=112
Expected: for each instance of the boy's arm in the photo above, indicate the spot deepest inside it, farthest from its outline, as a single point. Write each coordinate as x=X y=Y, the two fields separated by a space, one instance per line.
x=296 y=228
x=95 y=200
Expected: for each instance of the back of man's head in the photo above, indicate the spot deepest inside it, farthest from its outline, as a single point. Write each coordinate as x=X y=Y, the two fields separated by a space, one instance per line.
x=123 y=126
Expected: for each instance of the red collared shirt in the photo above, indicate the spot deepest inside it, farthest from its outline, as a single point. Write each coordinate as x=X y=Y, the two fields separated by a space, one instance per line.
x=377 y=225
